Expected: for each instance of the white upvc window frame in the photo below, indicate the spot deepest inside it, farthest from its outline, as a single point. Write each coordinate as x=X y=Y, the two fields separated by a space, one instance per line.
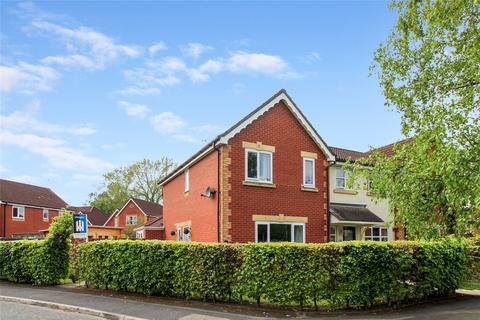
x=179 y=233
x=140 y=234
x=334 y=234
x=345 y=179
x=128 y=221
x=258 y=152
x=305 y=160
x=378 y=238
x=186 y=180
x=45 y=217
x=292 y=232
x=20 y=209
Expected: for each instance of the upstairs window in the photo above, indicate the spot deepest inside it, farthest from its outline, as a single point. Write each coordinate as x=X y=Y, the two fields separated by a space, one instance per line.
x=131 y=220
x=341 y=178
x=18 y=212
x=258 y=166
x=45 y=214
x=187 y=180
x=309 y=172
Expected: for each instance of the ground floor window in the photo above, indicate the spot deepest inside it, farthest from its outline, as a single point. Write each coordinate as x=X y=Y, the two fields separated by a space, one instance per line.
x=139 y=234
x=333 y=234
x=279 y=231
x=376 y=234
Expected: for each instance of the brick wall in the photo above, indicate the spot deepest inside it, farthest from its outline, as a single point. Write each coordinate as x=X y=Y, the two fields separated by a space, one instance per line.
x=154 y=234
x=278 y=128
x=200 y=212
x=31 y=224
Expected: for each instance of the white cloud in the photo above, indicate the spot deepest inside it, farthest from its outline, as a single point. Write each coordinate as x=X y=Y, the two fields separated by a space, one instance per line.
x=27 y=78
x=133 y=90
x=167 y=123
x=206 y=128
x=56 y=151
x=195 y=49
x=98 y=49
x=159 y=46
x=257 y=63
x=134 y=110
x=185 y=138
x=73 y=60
x=86 y=178
x=26 y=120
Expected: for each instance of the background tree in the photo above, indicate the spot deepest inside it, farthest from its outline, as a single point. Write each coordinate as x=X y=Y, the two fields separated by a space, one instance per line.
x=137 y=180
x=429 y=70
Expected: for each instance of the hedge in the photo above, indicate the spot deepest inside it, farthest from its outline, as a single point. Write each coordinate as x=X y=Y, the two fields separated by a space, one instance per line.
x=39 y=262
x=348 y=274
x=473 y=262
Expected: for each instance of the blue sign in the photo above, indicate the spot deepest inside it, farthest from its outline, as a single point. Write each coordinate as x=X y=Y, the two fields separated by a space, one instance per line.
x=80 y=227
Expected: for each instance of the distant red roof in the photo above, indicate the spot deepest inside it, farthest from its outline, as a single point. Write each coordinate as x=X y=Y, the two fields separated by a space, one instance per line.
x=96 y=216
x=156 y=223
x=29 y=195
x=150 y=208
x=388 y=149
x=343 y=155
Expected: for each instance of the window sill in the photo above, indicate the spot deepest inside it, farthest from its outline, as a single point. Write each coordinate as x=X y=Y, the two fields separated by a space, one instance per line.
x=18 y=219
x=345 y=191
x=259 y=184
x=308 y=189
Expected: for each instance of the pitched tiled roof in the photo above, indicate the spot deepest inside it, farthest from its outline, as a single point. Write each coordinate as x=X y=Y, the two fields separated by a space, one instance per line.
x=342 y=154
x=94 y=214
x=388 y=149
x=27 y=194
x=150 y=208
x=212 y=144
x=353 y=213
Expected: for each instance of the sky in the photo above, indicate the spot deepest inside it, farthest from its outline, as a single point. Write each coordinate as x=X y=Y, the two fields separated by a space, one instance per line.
x=89 y=86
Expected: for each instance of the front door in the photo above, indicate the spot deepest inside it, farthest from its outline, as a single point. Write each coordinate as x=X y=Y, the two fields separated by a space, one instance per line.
x=349 y=233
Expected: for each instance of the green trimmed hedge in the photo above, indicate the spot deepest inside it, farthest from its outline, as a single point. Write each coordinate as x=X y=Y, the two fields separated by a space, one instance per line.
x=348 y=274
x=38 y=261
x=473 y=264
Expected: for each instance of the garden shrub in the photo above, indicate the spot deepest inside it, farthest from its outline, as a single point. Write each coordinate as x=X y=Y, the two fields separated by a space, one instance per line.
x=39 y=261
x=473 y=262
x=354 y=274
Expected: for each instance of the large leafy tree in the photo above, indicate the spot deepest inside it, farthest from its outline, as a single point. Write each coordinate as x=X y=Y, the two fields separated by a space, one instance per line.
x=138 y=180
x=429 y=70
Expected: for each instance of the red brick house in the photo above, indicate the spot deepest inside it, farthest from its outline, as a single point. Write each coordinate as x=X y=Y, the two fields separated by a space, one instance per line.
x=26 y=209
x=136 y=213
x=264 y=179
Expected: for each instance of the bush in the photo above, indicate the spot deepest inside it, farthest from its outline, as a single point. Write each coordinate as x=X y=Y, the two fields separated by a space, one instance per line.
x=38 y=261
x=354 y=274
x=473 y=262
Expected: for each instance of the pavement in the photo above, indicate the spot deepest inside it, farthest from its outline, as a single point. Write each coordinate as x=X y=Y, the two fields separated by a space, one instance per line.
x=20 y=311
x=20 y=302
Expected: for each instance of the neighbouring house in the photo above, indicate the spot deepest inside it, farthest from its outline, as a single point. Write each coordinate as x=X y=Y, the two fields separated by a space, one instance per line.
x=96 y=219
x=354 y=213
x=26 y=209
x=136 y=213
x=264 y=180
x=152 y=229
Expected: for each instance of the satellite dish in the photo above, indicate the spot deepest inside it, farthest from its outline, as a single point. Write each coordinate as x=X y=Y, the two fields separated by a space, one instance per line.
x=209 y=192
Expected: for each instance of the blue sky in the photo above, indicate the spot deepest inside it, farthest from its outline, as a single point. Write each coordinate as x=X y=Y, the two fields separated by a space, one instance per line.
x=86 y=87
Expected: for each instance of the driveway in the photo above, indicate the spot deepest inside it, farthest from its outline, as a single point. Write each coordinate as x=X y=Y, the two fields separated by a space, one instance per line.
x=461 y=307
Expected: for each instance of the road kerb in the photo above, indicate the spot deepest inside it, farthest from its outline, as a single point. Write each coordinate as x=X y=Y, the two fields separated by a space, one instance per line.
x=70 y=308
